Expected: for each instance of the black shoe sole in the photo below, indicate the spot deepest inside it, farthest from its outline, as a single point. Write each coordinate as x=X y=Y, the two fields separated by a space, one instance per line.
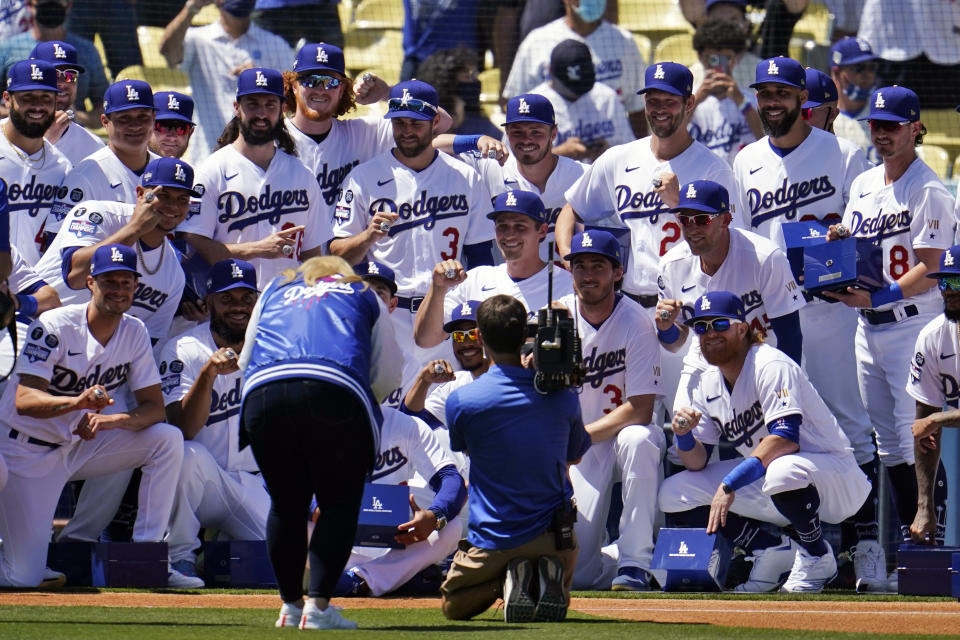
x=552 y=606
x=518 y=604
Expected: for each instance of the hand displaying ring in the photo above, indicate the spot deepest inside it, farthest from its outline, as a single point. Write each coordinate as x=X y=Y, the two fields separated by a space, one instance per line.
x=663 y=314
x=682 y=422
x=287 y=250
x=150 y=197
x=384 y=227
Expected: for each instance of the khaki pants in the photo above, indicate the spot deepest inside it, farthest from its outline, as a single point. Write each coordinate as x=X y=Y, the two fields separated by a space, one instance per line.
x=475 y=579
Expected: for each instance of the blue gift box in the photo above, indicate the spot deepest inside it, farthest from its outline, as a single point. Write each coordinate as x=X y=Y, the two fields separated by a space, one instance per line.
x=797 y=236
x=690 y=560
x=851 y=262
x=926 y=571
x=237 y=563
x=384 y=508
x=129 y=564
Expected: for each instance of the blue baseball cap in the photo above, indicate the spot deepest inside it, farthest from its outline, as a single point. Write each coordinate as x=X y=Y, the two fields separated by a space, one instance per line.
x=58 y=53
x=173 y=105
x=820 y=89
x=850 y=50
x=595 y=241
x=231 y=274
x=530 y=107
x=128 y=94
x=412 y=99
x=319 y=56
x=717 y=304
x=169 y=172
x=671 y=77
x=949 y=263
x=372 y=270
x=703 y=195
x=114 y=257
x=781 y=70
x=32 y=75
x=526 y=203
x=260 y=80
x=465 y=311
x=896 y=104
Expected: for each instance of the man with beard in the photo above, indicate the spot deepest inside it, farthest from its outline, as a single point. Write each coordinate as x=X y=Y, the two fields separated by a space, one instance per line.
x=172 y=128
x=73 y=140
x=258 y=200
x=219 y=484
x=802 y=173
x=30 y=165
x=758 y=399
x=113 y=172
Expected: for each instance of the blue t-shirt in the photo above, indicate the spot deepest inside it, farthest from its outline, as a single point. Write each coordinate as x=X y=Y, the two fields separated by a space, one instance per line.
x=519 y=442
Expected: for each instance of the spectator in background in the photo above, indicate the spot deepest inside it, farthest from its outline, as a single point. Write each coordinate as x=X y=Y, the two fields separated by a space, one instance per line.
x=14 y=18
x=590 y=117
x=616 y=59
x=733 y=11
x=313 y=20
x=453 y=73
x=853 y=68
x=116 y=22
x=48 y=18
x=213 y=55
x=431 y=25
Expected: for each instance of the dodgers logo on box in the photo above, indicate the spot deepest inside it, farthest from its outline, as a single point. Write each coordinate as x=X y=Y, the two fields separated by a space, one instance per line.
x=690 y=560
x=384 y=508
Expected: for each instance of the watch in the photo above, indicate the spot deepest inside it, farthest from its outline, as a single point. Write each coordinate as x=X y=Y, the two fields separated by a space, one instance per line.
x=727 y=489
x=441 y=519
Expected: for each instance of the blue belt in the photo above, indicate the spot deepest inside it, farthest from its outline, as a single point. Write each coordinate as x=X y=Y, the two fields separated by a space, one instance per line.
x=410 y=304
x=888 y=316
x=14 y=434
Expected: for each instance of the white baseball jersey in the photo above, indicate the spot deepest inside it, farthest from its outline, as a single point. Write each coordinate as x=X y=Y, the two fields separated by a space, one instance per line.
x=721 y=126
x=812 y=182
x=22 y=277
x=407 y=446
x=485 y=282
x=935 y=368
x=181 y=360
x=621 y=357
x=616 y=60
x=78 y=142
x=33 y=186
x=620 y=183
x=850 y=127
x=755 y=269
x=436 y=400
x=770 y=386
x=243 y=203
x=101 y=176
x=915 y=212
x=596 y=115
x=61 y=349
x=441 y=209
x=158 y=294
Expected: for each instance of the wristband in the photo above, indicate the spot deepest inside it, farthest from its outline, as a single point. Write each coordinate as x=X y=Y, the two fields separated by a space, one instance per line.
x=28 y=304
x=745 y=473
x=462 y=144
x=886 y=295
x=669 y=336
x=686 y=442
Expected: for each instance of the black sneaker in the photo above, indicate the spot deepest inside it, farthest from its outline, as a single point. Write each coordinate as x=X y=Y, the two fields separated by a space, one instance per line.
x=518 y=604
x=552 y=606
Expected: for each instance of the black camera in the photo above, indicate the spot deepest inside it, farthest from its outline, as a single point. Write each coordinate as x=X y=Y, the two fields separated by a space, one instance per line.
x=563 y=520
x=557 y=356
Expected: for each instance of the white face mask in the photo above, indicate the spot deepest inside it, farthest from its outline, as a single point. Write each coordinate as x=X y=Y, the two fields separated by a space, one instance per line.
x=591 y=10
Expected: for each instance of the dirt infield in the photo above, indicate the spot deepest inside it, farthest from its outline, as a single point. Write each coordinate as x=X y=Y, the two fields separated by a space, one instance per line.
x=909 y=618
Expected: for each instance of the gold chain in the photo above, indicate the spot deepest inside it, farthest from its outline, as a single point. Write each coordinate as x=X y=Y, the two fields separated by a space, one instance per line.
x=25 y=158
x=143 y=263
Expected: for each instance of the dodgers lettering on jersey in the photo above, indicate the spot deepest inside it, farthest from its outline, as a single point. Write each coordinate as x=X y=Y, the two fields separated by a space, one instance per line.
x=787 y=199
x=597 y=366
x=68 y=382
x=739 y=430
x=434 y=207
x=330 y=180
x=407 y=446
x=270 y=206
x=33 y=196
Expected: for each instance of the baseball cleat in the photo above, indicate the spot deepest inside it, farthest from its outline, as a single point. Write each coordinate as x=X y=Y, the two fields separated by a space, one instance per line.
x=893 y=582
x=518 y=604
x=183 y=575
x=870 y=565
x=350 y=584
x=329 y=618
x=810 y=574
x=552 y=605
x=52 y=579
x=290 y=615
x=632 y=579
x=769 y=567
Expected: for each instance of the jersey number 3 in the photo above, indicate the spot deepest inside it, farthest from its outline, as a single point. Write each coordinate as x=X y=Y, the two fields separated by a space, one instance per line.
x=451 y=252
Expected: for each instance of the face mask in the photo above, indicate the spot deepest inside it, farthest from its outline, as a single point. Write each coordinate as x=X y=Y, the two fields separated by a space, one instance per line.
x=50 y=15
x=239 y=8
x=469 y=92
x=591 y=10
x=857 y=93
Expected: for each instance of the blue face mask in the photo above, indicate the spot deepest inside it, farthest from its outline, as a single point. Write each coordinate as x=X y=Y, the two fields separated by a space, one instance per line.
x=857 y=93
x=239 y=8
x=591 y=10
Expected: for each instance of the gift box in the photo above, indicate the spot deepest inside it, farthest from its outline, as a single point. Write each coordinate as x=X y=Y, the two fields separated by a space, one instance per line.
x=834 y=266
x=925 y=570
x=237 y=563
x=384 y=508
x=690 y=560
x=129 y=564
x=797 y=236
x=73 y=560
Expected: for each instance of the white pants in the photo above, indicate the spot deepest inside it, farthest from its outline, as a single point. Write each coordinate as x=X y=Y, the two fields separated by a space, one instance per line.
x=235 y=502
x=632 y=457
x=841 y=484
x=37 y=475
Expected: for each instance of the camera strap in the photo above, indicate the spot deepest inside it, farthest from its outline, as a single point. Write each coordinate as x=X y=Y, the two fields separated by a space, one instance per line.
x=12 y=330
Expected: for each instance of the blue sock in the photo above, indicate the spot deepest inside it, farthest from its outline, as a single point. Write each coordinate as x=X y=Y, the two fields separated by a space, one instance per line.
x=801 y=507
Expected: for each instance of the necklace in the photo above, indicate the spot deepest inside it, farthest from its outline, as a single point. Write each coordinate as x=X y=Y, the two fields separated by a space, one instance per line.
x=143 y=263
x=35 y=163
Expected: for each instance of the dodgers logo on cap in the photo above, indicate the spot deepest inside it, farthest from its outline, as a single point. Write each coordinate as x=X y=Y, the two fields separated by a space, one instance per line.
x=717 y=304
x=850 y=50
x=525 y=203
x=169 y=172
x=32 y=75
x=61 y=54
x=412 y=99
x=260 y=80
x=820 y=89
x=172 y=105
x=595 y=241
x=319 y=56
x=780 y=70
x=672 y=77
x=530 y=107
x=895 y=104
x=372 y=270
x=231 y=274
x=703 y=195
x=128 y=94
x=113 y=257
x=949 y=264
x=466 y=311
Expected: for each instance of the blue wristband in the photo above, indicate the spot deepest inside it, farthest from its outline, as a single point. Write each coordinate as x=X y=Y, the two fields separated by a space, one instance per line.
x=28 y=304
x=462 y=144
x=686 y=441
x=669 y=336
x=886 y=295
x=747 y=472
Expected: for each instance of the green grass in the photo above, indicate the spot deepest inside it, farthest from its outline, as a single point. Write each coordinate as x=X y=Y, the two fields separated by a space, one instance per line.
x=109 y=623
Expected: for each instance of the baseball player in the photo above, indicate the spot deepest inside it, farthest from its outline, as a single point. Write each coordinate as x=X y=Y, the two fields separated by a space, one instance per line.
x=29 y=165
x=907 y=211
x=73 y=140
x=800 y=172
x=622 y=365
x=933 y=384
x=820 y=109
x=408 y=447
x=87 y=402
x=853 y=68
x=112 y=173
x=520 y=224
x=219 y=483
x=381 y=279
x=256 y=198
x=173 y=127
x=759 y=400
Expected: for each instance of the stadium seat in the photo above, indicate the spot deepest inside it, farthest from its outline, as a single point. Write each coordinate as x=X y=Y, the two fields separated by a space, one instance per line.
x=936 y=158
x=490 y=85
x=379 y=49
x=943 y=128
x=98 y=44
x=645 y=46
x=676 y=48
x=655 y=19
x=150 y=38
x=815 y=24
x=377 y=14
x=159 y=78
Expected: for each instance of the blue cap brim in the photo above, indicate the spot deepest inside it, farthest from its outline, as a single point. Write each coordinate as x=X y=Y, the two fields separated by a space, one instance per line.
x=168 y=115
x=661 y=86
x=783 y=82
x=174 y=185
x=689 y=321
x=33 y=87
x=321 y=67
x=235 y=285
x=416 y=115
x=856 y=59
x=943 y=274
x=582 y=252
x=127 y=107
x=493 y=215
x=889 y=117
x=240 y=94
x=386 y=281
x=116 y=268
x=530 y=119
x=695 y=206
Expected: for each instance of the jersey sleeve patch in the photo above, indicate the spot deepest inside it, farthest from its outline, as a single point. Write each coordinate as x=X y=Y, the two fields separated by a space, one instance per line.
x=35 y=353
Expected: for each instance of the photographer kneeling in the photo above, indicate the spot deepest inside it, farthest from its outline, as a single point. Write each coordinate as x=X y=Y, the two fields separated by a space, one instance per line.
x=520 y=443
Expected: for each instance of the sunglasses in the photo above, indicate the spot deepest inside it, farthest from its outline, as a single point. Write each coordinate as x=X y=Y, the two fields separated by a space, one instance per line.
x=699 y=220
x=950 y=282
x=70 y=76
x=173 y=126
x=887 y=126
x=411 y=104
x=463 y=336
x=316 y=80
x=719 y=325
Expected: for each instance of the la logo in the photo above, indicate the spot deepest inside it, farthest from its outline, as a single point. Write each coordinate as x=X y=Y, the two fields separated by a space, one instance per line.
x=132 y=94
x=586 y=241
x=511 y=200
x=172 y=103
x=35 y=72
x=372 y=268
x=261 y=79
x=704 y=304
x=322 y=55
x=115 y=255
x=179 y=174
x=235 y=271
x=465 y=309
x=523 y=106
x=405 y=98
x=947 y=259
x=880 y=103
x=59 y=52
x=691 y=192
x=573 y=72
x=659 y=74
x=773 y=69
